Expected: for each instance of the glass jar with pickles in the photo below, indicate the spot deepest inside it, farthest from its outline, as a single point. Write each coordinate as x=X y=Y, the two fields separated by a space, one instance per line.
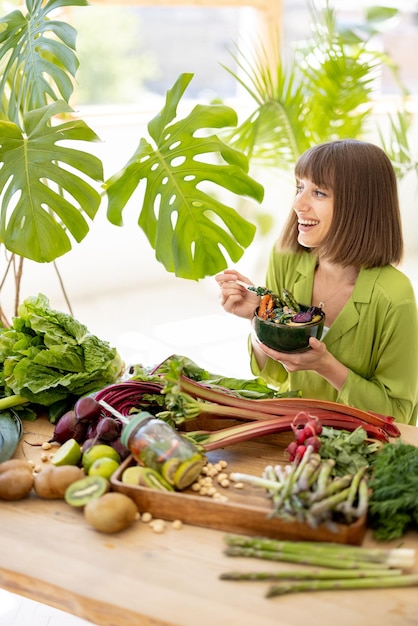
x=155 y=444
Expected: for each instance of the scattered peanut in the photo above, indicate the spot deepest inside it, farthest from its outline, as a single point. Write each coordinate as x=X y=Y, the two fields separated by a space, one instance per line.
x=177 y=524
x=158 y=525
x=220 y=497
x=46 y=445
x=146 y=517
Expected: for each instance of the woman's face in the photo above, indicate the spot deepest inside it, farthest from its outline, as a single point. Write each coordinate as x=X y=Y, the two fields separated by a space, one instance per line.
x=314 y=207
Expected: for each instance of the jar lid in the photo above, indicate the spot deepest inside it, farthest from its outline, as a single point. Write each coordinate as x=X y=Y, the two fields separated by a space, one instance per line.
x=135 y=421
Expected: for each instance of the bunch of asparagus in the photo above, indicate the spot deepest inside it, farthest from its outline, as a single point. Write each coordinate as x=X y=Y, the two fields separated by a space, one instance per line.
x=331 y=566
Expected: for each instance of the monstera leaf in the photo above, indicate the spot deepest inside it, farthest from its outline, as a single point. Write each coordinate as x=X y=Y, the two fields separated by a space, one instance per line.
x=39 y=57
x=188 y=227
x=42 y=196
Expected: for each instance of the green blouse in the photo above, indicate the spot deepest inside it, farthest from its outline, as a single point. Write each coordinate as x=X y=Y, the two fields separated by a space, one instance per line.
x=375 y=336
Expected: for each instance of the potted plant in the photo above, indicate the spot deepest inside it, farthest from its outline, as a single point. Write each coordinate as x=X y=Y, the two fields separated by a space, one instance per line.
x=324 y=90
x=51 y=189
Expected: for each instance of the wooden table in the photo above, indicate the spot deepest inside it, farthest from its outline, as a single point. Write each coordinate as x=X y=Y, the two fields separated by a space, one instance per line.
x=140 y=578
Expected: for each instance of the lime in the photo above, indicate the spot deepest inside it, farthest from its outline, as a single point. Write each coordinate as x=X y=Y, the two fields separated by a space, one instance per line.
x=68 y=454
x=105 y=466
x=132 y=475
x=98 y=452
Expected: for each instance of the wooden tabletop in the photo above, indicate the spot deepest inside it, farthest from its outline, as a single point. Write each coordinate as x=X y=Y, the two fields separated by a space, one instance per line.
x=140 y=578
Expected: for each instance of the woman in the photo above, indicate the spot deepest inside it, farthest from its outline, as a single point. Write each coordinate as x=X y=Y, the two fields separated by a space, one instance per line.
x=338 y=251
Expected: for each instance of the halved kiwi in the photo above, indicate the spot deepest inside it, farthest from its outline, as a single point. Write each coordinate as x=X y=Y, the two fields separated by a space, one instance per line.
x=82 y=491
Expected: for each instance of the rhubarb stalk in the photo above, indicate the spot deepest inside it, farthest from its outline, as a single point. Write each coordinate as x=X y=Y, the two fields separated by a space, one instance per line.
x=282 y=406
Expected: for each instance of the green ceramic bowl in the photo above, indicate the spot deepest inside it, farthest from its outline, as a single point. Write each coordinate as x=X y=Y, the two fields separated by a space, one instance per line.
x=285 y=337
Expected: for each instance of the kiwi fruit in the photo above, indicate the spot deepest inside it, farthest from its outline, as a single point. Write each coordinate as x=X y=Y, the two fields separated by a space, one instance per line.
x=86 y=489
x=111 y=513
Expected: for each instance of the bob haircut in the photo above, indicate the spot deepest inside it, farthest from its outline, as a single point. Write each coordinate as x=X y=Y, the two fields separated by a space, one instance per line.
x=366 y=229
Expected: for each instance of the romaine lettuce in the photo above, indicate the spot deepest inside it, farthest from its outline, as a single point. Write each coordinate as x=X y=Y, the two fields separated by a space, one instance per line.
x=47 y=355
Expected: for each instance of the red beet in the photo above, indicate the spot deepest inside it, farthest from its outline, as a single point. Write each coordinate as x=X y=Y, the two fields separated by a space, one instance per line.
x=120 y=448
x=69 y=427
x=87 y=409
x=108 y=429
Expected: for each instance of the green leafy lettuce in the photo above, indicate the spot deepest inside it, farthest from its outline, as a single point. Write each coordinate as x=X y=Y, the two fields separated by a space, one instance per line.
x=47 y=356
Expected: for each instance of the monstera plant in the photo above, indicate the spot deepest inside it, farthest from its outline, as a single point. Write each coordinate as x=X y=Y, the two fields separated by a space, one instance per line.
x=51 y=189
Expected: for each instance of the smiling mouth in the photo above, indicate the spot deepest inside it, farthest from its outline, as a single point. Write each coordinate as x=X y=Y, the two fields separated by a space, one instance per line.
x=308 y=223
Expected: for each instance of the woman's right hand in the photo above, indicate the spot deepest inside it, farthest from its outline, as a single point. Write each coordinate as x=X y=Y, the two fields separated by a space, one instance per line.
x=235 y=298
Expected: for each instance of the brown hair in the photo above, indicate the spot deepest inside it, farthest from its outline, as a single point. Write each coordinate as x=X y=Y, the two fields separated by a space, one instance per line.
x=366 y=226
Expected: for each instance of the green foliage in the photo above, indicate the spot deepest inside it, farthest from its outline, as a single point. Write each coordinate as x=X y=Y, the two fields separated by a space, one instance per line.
x=48 y=184
x=47 y=356
x=397 y=147
x=349 y=450
x=42 y=199
x=39 y=57
x=183 y=223
x=393 y=504
x=324 y=91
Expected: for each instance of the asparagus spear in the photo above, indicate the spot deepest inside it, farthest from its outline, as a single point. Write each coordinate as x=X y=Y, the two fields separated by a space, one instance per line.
x=308 y=558
x=402 y=558
x=309 y=574
x=407 y=580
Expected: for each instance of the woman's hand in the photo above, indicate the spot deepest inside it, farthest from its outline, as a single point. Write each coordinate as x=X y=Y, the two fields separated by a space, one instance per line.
x=318 y=360
x=295 y=361
x=235 y=298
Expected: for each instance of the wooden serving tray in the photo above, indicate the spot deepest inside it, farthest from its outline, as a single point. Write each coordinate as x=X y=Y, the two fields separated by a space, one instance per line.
x=247 y=510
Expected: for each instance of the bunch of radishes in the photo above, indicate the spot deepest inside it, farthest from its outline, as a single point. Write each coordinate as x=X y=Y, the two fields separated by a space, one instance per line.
x=306 y=429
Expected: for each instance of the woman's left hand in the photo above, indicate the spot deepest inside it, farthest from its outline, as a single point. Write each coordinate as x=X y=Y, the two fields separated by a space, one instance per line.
x=295 y=361
x=318 y=360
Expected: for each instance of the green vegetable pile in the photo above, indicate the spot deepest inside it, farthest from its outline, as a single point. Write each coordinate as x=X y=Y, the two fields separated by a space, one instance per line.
x=393 y=504
x=47 y=356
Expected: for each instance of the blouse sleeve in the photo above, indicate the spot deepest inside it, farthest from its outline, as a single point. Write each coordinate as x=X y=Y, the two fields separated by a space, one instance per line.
x=393 y=389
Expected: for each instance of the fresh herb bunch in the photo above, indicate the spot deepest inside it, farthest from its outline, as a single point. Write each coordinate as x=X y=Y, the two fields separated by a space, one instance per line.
x=393 y=505
x=349 y=450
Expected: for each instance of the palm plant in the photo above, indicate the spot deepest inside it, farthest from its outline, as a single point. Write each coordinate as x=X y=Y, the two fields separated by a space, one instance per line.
x=325 y=90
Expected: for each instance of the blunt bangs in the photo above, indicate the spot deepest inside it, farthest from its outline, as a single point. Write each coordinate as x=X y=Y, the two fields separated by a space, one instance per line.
x=317 y=164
